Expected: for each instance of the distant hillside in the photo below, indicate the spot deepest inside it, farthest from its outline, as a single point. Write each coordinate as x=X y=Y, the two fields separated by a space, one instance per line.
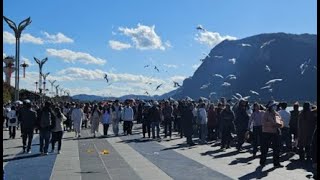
x=283 y=53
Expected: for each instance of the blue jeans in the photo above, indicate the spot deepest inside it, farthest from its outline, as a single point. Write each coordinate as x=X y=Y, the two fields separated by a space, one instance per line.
x=45 y=135
x=153 y=126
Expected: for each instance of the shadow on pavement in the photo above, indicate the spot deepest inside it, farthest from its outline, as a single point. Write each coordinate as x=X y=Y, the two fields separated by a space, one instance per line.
x=22 y=157
x=87 y=172
x=178 y=146
x=257 y=174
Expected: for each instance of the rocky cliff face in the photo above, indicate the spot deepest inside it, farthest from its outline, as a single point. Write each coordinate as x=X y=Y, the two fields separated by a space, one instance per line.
x=292 y=58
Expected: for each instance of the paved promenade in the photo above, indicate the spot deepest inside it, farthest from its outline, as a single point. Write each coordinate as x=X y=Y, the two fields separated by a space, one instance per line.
x=133 y=158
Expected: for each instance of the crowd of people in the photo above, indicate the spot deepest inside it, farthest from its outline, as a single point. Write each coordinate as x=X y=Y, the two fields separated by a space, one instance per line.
x=230 y=124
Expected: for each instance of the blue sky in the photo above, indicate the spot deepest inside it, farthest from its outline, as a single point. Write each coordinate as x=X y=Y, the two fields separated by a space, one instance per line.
x=85 y=39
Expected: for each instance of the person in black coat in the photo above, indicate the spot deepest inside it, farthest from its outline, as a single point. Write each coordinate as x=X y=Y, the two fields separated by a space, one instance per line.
x=187 y=118
x=227 y=126
x=146 y=124
x=241 y=122
x=28 y=119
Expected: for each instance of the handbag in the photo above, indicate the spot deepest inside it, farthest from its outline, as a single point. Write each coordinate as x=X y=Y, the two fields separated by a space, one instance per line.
x=13 y=120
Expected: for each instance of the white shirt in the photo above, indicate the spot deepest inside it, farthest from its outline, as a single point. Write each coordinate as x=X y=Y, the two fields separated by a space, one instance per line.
x=203 y=116
x=127 y=114
x=285 y=116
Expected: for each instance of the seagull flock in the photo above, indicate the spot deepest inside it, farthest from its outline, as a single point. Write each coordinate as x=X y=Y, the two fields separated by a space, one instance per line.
x=268 y=85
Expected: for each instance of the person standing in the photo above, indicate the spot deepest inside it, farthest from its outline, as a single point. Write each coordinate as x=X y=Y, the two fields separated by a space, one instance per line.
x=306 y=126
x=167 y=114
x=116 y=117
x=203 y=123
x=106 y=120
x=241 y=122
x=227 y=126
x=187 y=119
x=271 y=124
x=96 y=117
x=128 y=116
x=285 y=131
x=293 y=124
x=155 y=119
x=76 y=118
x=46 y=120
x=256 y=122
x=12 y=122
x=212 y=122
x=146 y=120
x=28 y=118
x=57 y=131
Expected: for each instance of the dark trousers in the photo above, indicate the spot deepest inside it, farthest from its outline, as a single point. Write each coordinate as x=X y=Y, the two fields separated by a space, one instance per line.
x=226 y=137
x=304 y=151
x=56 y=136
x=211 y=133
x=27 y=134
x=155 y=125
x=167 y=127
x=286 y=139
x=127 y=127
x=240 y=138
x=180 y=128
x=270 y=139
x=12 y=132
x=105 y=129
x=256 y=138
x=146 y=128
x=44 y=139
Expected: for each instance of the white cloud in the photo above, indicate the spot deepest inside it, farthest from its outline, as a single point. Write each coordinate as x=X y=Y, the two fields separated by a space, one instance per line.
x=8 y=38
x=72 y=56
x=58 y=38
x=195 y=66
x=170 y=65
x=144 y=37
x=28 y=38
x=117 y=45
x=211 y=38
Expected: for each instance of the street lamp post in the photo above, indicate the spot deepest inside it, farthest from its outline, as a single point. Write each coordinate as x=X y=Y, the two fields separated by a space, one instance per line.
x=17 y=32
x=44 y=76
x=24 y=65
x=57 y=92
x=40 y=63
x=52 y=82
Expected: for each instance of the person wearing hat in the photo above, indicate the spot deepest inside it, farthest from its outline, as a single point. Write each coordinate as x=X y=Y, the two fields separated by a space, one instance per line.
x=271 y=124
x=12 y=122
x=28 y=118
x=306 y=126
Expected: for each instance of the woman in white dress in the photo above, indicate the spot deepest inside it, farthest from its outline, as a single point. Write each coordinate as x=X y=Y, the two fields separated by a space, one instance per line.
x=76 y=117
x=96 y=117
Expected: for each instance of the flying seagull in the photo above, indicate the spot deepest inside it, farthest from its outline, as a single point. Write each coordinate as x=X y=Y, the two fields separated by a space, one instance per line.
x=266 y=87
x=106 y=77
x=239 y=95
x=218 y=57
x=176 y=84
x=270 y=90
x=273 y=81
x=246 y=98
x=244 y=45
x=233 y=77
x=207 y=55
x=232 y=60
x=199 y=27
x=304 y=66
x=267 y=68
x=205 y=86
x=212 y=93
x=146 y=93
x=266 y=43
x=146 y=66
x=155 y=67
x=226 y=84
x=230 y=75
x=218 y=75
x=158 y=86
x=254 y=92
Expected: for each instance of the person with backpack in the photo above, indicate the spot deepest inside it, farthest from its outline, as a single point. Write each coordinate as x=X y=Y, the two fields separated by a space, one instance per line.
x=28 y=118
x=46 y=123
x=57 y=131
x=13 y=122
